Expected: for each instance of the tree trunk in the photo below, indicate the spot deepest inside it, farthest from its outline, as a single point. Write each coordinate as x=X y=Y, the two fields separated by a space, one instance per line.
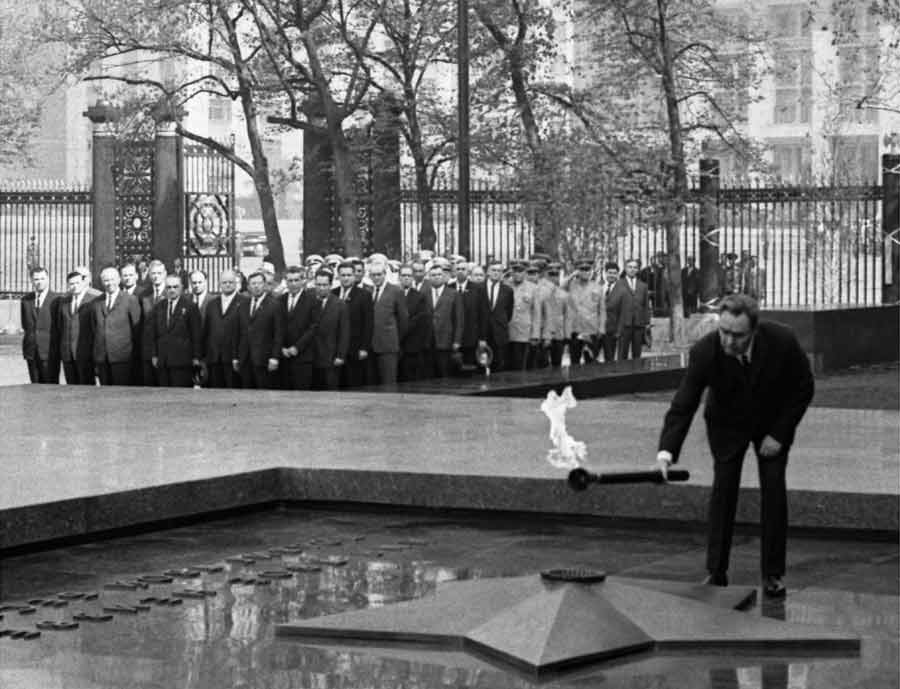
x=274 y=246
x=543 y=187
x=344 y=177
x=263 y=186
x=261 y=181
x=345 y=193
x=677 y=186
x=427 y=236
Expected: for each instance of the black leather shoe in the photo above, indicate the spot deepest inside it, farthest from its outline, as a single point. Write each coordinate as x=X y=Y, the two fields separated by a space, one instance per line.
x=773 y=587
x=716 y=579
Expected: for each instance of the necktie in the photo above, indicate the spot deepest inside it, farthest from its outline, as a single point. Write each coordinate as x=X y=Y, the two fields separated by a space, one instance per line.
x=37 y=302
x=171 y=313
x=435 y=295
x=745 y=362
x=253 y=305
x=109 y=303
x=74 y=305
x=291 y=302
x=377 y=293
x=493 y=293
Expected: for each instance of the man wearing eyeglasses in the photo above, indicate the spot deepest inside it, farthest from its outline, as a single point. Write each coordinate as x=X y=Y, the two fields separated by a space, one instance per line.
x=759 y=386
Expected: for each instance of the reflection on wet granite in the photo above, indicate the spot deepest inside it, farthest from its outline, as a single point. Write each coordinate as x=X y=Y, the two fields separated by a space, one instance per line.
x=662 y=372
x=227 y=640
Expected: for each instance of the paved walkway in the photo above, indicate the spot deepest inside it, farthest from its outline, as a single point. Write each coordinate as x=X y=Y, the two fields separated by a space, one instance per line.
x=63 y=443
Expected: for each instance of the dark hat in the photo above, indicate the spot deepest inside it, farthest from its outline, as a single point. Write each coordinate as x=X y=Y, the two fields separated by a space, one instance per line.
x=542 y=257
x=584 y=262
x=535 y=266
x=554 y=268
x=517 y=264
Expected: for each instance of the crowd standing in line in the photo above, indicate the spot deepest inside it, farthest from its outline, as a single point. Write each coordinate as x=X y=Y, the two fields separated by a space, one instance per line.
x=332 y=323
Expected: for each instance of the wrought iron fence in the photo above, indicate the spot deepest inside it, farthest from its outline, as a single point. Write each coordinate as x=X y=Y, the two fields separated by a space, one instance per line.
x=42 y=223
x=501 y=222
x=209 y=236
x=788 y=246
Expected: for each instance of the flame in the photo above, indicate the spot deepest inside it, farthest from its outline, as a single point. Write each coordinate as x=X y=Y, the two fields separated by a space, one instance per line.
x=567 y=452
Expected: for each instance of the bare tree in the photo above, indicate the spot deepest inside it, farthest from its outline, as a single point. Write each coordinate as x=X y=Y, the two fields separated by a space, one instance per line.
x=146 y=45
x=684 y=57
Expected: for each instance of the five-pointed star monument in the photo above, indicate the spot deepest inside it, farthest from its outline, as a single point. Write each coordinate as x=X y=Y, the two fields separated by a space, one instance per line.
x=546 y=626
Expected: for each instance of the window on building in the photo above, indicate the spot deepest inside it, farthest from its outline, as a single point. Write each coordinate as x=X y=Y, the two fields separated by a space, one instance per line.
x=791 y=26
x=855 y=158
x=793 y=86
x=858 y=76
x=854 y=21
x=219 y=108
x=791 y=159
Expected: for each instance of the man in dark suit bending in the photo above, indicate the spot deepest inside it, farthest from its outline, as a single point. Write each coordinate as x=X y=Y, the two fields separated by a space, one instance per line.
x=760 y=385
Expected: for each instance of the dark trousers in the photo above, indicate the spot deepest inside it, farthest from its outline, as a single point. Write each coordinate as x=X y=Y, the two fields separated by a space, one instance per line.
x=325 y=378
x=499 y=351
x=175 y=376
x=439 y=363
x=295 y=374
x=149 y=374
x=114 y=374
x=222 y=375
x=412 y=366
x=353 y=373
x=631 y=340
x=577 y=347
x=383 y=368
x=555 y=351
x=518 y=355
x=43 y=370
x=690 y=303
x=258 y=377
x=468 y=355
x=609 y=347
x=79 y=372
x=723 y=506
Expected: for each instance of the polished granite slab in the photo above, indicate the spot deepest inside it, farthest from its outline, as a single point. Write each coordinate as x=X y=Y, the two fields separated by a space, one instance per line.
x=649 y=374
x=229 y=639
x=87 y=460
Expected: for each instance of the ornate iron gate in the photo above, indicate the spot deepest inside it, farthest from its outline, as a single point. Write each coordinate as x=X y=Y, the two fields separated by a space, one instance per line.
x=209 y=236
x=133 y=179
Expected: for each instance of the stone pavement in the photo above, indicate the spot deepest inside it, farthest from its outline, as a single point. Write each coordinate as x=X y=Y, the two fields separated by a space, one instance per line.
x=86 y=460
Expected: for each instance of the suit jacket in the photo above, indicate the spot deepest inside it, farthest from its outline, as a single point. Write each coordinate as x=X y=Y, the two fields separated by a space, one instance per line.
x=201 y=304
x=76 y=340
x=630 y=308
x=41 y=339
x=298 y=322
x=496 y=325
x=178 y=340
x=360 y=313
x=474 y=313
x=260 y=336
x=220 y=331
x=418 y=334
x=115 y=331
x=690 y=281
x=331 y=332
x=389 y=320
x=768 y=399
x=612 y=320
x=446 y=319
x=147 y=303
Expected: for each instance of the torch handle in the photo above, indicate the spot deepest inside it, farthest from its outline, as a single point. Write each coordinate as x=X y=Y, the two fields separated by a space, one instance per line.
x=580 y=479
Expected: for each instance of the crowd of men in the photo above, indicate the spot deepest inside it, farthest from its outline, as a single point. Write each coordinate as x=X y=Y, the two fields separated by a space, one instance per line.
x=331 y=323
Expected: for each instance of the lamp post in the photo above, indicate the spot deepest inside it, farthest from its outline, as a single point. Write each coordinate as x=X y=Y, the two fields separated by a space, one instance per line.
x=462 y=76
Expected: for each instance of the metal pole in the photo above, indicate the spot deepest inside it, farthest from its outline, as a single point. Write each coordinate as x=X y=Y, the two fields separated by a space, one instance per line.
x=464 y=234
